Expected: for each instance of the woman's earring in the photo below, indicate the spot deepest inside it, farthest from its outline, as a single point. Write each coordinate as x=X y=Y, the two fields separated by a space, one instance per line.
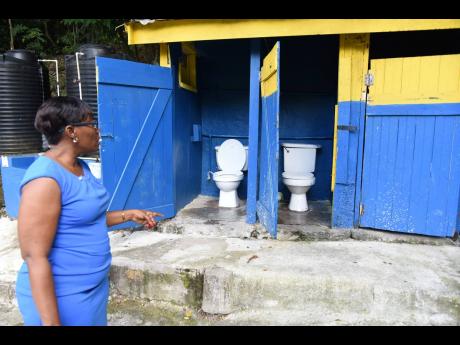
x=75 y=140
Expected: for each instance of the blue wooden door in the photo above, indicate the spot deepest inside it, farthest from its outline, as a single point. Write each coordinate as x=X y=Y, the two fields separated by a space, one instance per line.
x=267 y=203
x=411 y=169
x=135 y=119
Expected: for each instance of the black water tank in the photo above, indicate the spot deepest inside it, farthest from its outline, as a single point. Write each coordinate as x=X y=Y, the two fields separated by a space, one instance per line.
x=23 y=83
x=87 y=65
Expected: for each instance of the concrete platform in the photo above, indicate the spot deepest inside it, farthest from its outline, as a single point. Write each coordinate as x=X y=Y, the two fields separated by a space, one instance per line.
x=162 y=277
x=311 y=282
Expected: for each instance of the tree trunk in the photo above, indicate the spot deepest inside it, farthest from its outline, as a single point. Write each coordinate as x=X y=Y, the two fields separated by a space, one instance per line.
x=11 y=34
x=47 y=34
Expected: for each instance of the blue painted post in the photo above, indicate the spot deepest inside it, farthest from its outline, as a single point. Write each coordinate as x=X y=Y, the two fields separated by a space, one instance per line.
x=253 y=148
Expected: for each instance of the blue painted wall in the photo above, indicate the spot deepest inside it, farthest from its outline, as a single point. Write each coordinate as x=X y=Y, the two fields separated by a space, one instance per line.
x=187 y=154
x=309 y=68
x=223 y=84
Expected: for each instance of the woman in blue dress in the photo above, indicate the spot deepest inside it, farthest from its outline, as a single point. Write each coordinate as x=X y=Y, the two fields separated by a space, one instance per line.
x=63 y=223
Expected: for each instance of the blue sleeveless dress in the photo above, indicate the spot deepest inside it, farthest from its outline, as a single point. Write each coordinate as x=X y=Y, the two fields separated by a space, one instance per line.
x=80 y=256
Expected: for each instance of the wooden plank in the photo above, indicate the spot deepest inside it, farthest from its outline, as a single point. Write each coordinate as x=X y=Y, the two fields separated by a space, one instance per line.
x=404 y=167
x=444 y=109
x=393 y=181
x=420 y=185
x=123 y=72
x=253 y=148
x=334 y=148
x=164 y=31
x=267 y=205
x=369 y=172
x=382 y=206
x=437 y=216
x=415 y=80
x=268 y=73
x=453 y=196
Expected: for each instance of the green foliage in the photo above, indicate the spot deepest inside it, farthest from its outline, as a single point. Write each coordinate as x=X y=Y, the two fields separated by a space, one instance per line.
x=53 y=37
x=31 y=37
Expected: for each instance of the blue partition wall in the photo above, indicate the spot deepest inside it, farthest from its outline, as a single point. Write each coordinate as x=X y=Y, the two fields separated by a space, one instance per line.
x=186 y=154
x=308 y=76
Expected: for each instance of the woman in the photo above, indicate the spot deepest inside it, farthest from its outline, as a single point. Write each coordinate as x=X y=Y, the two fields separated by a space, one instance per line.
x=62 y=223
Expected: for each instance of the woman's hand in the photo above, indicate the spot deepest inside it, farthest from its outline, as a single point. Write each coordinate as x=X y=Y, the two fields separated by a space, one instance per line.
x=139 y=216
x=143 y=217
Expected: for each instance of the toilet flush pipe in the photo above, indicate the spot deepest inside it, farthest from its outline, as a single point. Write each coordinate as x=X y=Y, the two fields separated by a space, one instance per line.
x=57 y=72
x=78 y=72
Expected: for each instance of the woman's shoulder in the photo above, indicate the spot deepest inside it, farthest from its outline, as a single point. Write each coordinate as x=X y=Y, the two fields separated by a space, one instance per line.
x=42 y=164
x=42 y=167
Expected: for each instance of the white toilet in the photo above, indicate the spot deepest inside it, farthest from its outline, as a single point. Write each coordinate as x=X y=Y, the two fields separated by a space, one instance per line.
x=232 y=159
x=299 y=165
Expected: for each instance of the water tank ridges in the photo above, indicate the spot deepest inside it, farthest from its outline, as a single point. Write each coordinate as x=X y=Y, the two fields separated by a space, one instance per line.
x=87 y=64
x=21 y=93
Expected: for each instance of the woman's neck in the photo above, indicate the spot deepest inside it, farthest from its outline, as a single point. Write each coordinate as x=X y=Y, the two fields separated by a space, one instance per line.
x=63 y=153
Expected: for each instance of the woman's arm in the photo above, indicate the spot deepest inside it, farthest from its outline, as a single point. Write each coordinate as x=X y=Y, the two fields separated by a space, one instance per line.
x=39 y=211
x=138 y=216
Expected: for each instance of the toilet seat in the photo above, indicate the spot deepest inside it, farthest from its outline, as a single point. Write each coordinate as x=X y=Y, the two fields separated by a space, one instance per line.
x=293 y=176
x=226 y=176
x=231 y=156
x=290 y=179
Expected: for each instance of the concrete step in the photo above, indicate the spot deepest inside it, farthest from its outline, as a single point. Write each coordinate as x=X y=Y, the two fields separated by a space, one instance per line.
x=371 y=280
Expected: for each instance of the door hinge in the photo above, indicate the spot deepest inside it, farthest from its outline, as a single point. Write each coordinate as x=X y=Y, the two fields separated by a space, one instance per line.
x=361 y=209
x=369 y=79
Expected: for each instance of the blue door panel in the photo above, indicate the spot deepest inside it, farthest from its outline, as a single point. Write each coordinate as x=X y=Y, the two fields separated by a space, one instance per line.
x=135 y=114
x=411 y=171
x=267 y=203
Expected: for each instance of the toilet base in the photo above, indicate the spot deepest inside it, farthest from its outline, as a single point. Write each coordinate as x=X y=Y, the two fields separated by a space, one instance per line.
x=228 y=199
x=298 y=202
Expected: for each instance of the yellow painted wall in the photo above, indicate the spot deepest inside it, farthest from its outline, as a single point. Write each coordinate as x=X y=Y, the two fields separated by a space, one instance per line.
x=415 y=80
x=353 y=66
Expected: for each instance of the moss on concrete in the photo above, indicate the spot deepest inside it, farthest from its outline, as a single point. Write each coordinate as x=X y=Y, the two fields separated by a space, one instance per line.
x=132 y=312
x=193 y=283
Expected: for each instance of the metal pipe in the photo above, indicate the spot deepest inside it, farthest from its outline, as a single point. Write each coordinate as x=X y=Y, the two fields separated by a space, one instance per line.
x=78 y=72
x=57 y=72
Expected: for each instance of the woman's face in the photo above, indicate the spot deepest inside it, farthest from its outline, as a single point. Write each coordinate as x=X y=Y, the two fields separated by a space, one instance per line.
x=88 y=135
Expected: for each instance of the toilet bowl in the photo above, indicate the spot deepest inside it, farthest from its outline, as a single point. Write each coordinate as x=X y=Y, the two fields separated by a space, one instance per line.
x=228 y=184
x=298 y=185
x=299 y=165
x=231 y=158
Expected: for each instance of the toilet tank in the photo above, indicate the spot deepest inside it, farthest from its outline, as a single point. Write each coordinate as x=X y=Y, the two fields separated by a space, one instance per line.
x=299 y=158
x=245 y=168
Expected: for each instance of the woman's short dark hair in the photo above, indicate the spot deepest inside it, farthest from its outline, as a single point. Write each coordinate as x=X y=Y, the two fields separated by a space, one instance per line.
x=56 y=113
